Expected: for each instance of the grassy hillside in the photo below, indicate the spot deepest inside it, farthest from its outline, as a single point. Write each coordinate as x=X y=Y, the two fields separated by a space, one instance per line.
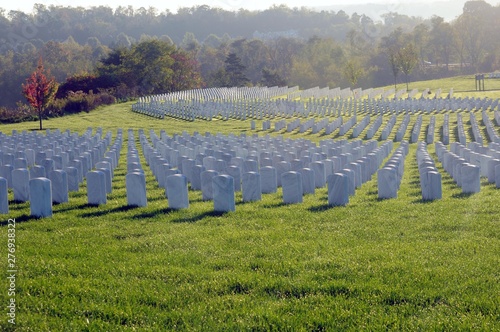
x=400 y=264
x=463 y=86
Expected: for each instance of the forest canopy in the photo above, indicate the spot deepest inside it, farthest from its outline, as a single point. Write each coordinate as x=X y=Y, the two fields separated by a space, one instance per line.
x=130 y=52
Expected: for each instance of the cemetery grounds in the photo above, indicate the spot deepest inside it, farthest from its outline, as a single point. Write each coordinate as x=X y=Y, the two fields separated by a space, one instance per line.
x=395 y=264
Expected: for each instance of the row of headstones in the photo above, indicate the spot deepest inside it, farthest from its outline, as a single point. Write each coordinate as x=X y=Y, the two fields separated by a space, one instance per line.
x=388 y=127
x=322 y=124
x=415 y=132
x=389 y=177
x=100 y=180
x=266 y=125
x=490 y=128
x=497 y=117
x=356 y=131
x=55 y=184
x=174 y=155
x=453 y=104
x=401 y=132
x=347 y=125
x=135 y=178
x=325 y=124
x=32 y=150
x=429 y=137
x=476 y=132
x=382 y=106
x=460 y=130
x=223 y=93
x=466 y=175
x=374 y=127
x=445 y=130
x=430 y=178
x=226 y=147
x=466 y=165
x=190 y=108
x=201 y=175
x=221 y=187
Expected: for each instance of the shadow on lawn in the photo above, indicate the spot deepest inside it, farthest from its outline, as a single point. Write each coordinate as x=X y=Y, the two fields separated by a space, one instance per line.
x=199 y=217
x=462 y=195
x=326 y=207
x=100 y=213
x=19 y=219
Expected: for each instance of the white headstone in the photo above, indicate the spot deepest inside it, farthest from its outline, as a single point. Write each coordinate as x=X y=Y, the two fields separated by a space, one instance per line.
x=105 y=164
x=73 y=178
x=169 y=172
x=338 y=191
x=308 y=184
x=136 y=189
x=59 y=181
x=4 y=196
x=48 y=164
x=21 y=184
x=41 y=197
x=319 y=173
x=435 y=188
x=37 y=172
x=387 y=183
x=196 y=176
x=250 y=166
x=6 y=173
x=471 y=181
x=133 y=166
x=268 y=180
x=187 y=168
x=20 y=163
x=177 y=192
x=292 y=187
x=351 y=188
x=235 y=173
x=251 y=187
x=207 y=184
x=282 y=167
x=109 y=181
x=223 y=192
x=96 y=188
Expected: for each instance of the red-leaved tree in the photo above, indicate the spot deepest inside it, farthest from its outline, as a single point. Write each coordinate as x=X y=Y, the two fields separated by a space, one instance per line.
x=40 y=90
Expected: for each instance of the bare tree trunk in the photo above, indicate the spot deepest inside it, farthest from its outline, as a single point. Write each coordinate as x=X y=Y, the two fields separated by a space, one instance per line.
x=40 y=117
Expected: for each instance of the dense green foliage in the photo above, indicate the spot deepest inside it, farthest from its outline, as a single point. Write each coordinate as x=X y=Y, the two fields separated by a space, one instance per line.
x=279 y=45
x=391 y=265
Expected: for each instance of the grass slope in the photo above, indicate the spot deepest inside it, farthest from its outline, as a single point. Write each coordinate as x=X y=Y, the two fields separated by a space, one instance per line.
x=400 y=264
x=463 y=86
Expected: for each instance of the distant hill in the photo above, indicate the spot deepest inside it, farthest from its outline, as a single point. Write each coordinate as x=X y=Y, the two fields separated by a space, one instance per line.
x=449 y=10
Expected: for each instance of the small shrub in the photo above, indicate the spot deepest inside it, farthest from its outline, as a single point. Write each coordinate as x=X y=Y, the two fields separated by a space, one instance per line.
x=21 y=112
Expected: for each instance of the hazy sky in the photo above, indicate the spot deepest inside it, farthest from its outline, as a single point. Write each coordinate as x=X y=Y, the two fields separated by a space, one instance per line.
x=161 y=5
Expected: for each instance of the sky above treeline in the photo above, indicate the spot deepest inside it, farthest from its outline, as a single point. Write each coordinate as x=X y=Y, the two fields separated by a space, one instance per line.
x=173 y=5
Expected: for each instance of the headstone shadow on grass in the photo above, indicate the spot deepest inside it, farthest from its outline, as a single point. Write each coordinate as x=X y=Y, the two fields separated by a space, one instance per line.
x=274 y=205
x=423 y=201
x=462 y=195
x=20 y=219
x=199 y=217
x=323 y=207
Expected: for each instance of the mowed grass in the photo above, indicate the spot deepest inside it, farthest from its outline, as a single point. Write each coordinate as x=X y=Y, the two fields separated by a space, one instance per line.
x=399 y=264
x=463 y=86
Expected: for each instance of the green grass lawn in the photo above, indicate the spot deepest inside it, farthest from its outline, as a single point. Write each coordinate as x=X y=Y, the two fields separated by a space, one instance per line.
x=399 y=264
x=463 y=86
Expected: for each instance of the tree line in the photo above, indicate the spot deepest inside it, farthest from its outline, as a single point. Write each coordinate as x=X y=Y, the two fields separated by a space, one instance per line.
x=126 y=53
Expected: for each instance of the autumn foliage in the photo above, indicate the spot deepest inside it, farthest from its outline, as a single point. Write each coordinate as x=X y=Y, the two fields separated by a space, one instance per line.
x=39 y=90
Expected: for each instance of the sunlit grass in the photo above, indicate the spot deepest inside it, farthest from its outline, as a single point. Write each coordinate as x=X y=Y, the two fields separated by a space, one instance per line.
x=399 y=264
